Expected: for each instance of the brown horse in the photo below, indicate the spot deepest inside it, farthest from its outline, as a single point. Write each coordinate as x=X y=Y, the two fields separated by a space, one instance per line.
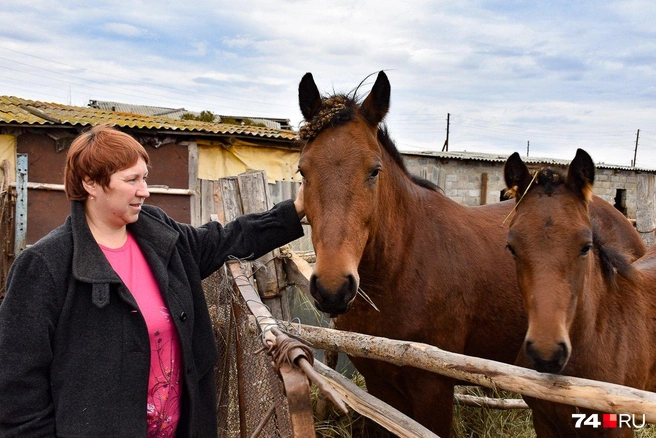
x=591 y=313
x=437 y=271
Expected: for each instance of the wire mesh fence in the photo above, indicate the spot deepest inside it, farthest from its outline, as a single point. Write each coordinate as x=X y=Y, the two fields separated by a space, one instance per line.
x=250 y=394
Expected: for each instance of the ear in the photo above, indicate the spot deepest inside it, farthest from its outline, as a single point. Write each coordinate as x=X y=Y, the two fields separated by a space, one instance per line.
x=581 y=174
x=375 y=106
x=309 y=98
x=516 y=175
x=90 y=186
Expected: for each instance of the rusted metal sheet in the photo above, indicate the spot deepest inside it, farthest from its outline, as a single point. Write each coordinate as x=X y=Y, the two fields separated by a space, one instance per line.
x=47 y=207
x=297 y=390
x=169 y=165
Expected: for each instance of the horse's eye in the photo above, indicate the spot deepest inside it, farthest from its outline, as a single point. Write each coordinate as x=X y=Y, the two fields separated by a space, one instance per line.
x=374 y=173
x=511 y=249
x=301 y=172
x=586 y=249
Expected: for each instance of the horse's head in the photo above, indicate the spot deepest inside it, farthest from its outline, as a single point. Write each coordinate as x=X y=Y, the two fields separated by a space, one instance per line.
x=551 y=240
x=341 y=163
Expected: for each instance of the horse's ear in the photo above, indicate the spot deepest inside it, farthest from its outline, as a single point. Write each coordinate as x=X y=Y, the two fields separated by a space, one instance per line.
x=309 y=98
x=516 y=175
x=581 y=174
x=375 y=106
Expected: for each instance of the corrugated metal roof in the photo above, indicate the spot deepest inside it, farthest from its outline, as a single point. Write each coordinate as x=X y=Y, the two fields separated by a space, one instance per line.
x=145 y=110
x=14 y=110
x=500 y=158
x=177 y=113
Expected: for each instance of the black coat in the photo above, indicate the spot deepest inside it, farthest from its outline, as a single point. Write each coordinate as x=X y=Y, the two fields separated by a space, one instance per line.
x=75 y=353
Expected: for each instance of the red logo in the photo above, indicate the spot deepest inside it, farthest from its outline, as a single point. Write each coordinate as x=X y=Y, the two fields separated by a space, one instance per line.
x=609 y=421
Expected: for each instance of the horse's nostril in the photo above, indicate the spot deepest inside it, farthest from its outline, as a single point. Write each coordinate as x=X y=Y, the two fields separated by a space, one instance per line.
x=529 y=350
x=352 y=287
x=564 y=349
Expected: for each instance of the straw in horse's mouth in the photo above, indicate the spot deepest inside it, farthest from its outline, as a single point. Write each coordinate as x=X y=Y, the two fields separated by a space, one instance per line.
x=364 y=295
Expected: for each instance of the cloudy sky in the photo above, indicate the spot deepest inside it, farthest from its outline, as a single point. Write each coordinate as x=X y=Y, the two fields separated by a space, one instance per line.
x=552 y=76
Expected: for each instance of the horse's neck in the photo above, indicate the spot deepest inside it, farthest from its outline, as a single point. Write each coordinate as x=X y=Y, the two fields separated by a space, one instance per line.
x=600 y=303
x=407 y=212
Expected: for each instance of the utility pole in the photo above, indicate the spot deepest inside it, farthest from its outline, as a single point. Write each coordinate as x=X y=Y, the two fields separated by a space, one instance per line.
x=446 y=142
x=528 y=146
x=635 y=151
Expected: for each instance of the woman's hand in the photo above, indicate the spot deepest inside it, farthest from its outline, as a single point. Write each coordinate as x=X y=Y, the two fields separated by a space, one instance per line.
x=298 y=203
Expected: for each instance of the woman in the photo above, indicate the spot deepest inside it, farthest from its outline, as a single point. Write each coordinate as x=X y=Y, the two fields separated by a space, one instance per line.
x=104 y=329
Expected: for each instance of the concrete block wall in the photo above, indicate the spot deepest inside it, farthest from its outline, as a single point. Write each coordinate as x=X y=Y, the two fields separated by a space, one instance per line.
x=461 y=180
x=608 y=181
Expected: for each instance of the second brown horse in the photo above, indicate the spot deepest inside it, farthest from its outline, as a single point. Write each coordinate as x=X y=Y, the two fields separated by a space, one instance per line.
x=591 y=313
x=437 y=271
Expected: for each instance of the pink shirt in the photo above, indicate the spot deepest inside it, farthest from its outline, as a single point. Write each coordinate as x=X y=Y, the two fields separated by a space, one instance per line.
x=163 y=410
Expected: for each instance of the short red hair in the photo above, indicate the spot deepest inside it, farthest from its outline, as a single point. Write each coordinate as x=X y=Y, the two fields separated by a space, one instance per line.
x=97 y=154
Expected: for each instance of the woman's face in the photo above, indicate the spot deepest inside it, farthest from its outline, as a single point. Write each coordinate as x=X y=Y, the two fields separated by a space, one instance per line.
x=120 y=203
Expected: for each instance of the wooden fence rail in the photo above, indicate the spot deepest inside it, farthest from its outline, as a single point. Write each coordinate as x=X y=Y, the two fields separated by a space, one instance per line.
x=600 y=396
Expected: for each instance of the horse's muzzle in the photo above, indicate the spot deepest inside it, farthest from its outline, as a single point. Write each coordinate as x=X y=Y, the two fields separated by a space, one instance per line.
x=555 y=363
x=336 y=301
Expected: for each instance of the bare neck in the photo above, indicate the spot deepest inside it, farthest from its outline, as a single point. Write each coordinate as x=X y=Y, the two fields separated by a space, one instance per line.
x=104 y=233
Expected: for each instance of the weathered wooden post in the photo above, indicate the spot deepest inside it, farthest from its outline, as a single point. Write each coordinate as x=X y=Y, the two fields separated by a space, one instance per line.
x=6 y=232
x=244 y=194
x=268 y=270
x=645 y=214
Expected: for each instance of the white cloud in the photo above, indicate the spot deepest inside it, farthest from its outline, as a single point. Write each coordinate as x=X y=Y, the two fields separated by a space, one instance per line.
x=124 y=29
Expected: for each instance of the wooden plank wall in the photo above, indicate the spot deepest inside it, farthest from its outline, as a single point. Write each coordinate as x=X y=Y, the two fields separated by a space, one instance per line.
x=211 y=203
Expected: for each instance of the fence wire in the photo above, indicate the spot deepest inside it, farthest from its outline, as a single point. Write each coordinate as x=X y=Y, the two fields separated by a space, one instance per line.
x=248 y=388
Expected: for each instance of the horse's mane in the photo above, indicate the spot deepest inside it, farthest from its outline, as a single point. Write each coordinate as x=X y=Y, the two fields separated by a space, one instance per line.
x=337 y=110
x=387 y=142
x=611 y=260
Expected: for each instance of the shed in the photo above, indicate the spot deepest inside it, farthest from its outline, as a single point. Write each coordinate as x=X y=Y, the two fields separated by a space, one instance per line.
x=186 y=157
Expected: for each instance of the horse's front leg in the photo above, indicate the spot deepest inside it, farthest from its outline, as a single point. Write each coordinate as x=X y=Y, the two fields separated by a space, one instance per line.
x=432 y=400
x=381 y=383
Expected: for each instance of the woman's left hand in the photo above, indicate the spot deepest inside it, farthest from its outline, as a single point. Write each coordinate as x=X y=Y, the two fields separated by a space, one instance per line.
x=298 y=203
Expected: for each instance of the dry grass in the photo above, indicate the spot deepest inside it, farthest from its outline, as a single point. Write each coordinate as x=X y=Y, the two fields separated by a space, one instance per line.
x=491 y=423
x=647 y=432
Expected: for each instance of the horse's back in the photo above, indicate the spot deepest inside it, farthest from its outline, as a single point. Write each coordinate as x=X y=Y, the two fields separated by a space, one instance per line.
x=648 y=261
x=615 y=229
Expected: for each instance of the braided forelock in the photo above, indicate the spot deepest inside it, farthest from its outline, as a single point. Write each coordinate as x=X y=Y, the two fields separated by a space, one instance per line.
x=549 y=180
x=335 y=110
